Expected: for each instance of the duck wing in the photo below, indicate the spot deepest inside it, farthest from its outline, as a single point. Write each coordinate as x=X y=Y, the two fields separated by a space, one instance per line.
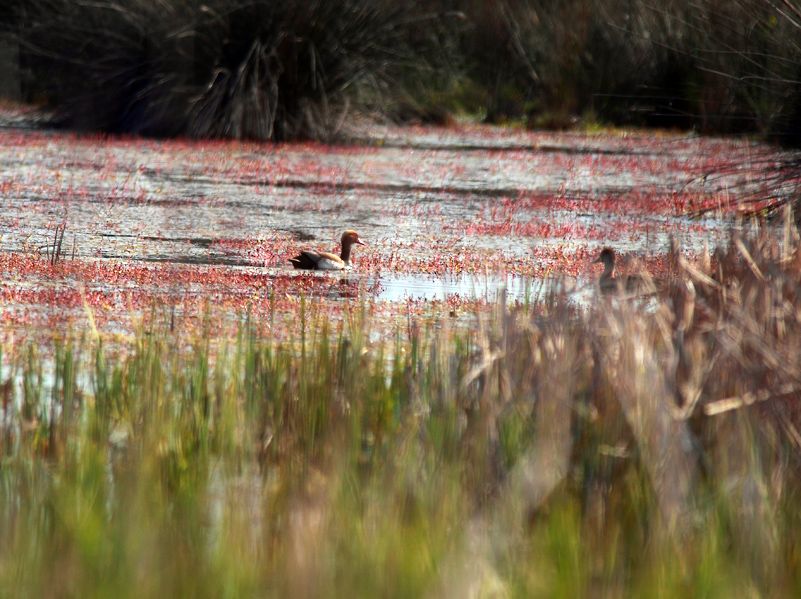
x=312 y=260
x=306 y=260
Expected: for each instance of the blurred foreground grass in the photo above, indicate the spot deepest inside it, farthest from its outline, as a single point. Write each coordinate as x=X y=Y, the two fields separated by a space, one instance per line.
x=632 y=447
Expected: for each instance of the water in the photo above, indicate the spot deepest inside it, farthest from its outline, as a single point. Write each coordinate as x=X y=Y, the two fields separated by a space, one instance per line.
x=487 y=287
x=448 y=213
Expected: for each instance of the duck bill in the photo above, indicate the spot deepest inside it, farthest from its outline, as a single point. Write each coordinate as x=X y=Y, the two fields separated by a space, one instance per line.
x=360 y=242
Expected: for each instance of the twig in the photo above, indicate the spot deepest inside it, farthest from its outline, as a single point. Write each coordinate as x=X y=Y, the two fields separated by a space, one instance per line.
x=728 y=404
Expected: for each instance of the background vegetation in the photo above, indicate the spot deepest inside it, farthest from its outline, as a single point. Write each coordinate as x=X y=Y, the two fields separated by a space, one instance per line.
x=276 y=70
x=718 y=66
x=617 y=450
x=223 y=68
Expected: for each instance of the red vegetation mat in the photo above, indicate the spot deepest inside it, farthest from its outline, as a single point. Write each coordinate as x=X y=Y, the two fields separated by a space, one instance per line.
x=186 y=225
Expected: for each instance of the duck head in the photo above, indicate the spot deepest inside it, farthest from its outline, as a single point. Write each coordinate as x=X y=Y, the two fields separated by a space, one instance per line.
x=607 y=258
x=349 y=238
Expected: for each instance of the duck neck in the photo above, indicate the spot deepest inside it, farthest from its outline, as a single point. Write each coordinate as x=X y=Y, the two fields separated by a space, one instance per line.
x=345 y=253
x=609 y=268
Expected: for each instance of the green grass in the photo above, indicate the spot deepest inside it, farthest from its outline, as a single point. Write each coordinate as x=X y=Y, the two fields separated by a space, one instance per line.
x=547 y=452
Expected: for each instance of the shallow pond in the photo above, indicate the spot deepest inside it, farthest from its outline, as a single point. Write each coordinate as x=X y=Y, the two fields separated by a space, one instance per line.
x=451 y=215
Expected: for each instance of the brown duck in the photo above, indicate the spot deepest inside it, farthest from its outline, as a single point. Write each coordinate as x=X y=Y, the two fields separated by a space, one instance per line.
x=315 y=260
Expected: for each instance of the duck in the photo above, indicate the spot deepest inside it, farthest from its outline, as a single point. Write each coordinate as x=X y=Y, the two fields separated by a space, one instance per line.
x=610 y=284
x=315 y=260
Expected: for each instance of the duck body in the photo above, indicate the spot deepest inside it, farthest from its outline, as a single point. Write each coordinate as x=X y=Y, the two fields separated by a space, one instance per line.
x=311 y=260
x=316 y=260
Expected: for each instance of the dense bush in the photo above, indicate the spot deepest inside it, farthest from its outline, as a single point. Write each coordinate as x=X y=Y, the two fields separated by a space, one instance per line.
x=750 y=64
x=718 y=66
x=285 y=69
x=222 y=68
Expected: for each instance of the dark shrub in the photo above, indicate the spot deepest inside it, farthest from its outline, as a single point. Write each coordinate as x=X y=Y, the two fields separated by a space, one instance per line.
x=278 y=69
x=222 y=68
x=715 y=65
